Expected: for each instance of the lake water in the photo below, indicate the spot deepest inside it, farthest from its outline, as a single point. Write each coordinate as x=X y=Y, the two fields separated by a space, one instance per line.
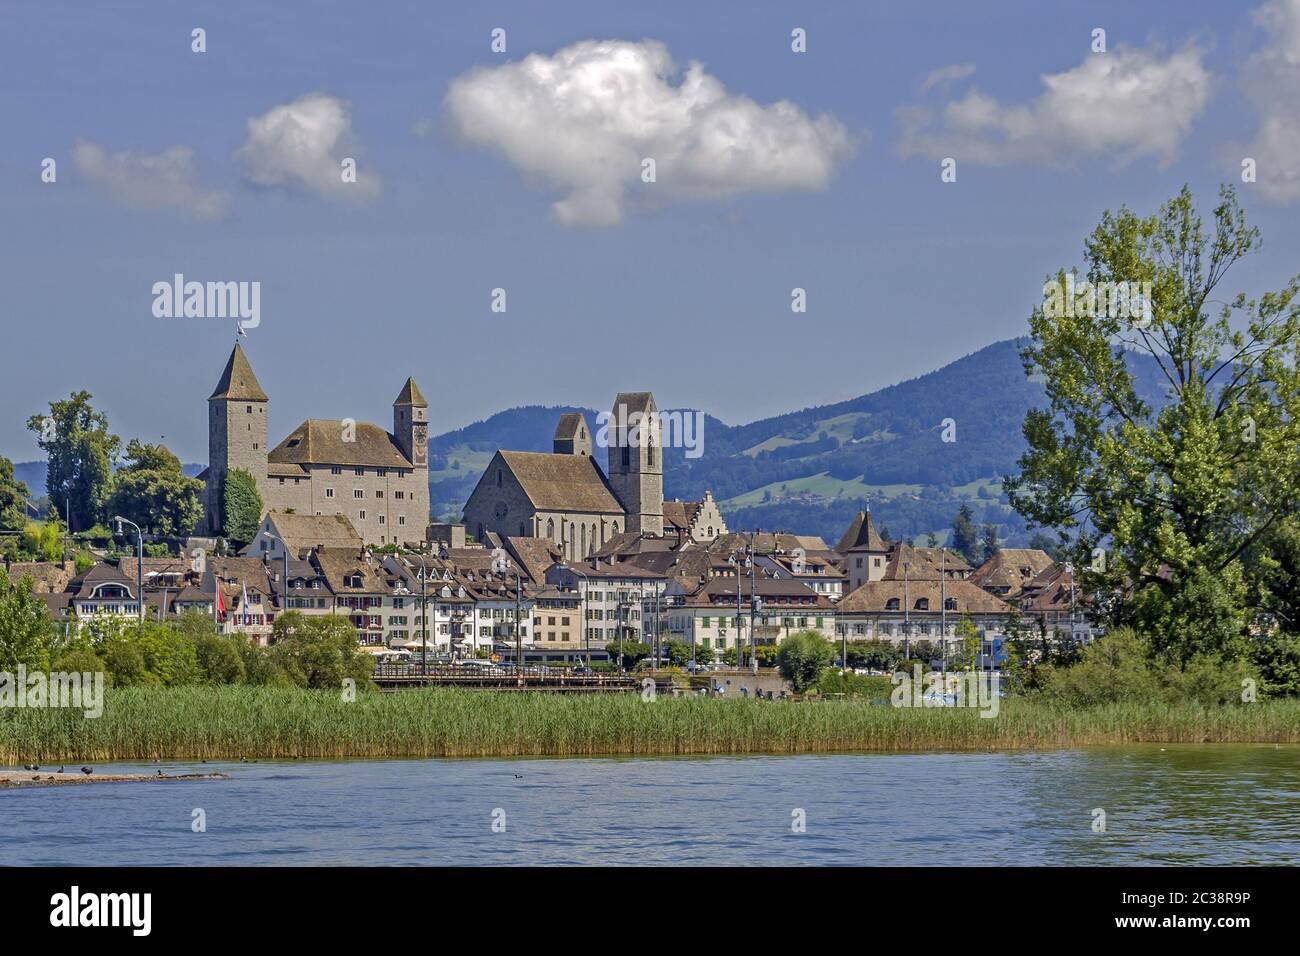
x=1203 y=804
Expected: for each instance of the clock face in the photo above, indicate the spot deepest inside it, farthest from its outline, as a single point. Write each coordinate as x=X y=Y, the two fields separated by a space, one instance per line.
x=501 y=510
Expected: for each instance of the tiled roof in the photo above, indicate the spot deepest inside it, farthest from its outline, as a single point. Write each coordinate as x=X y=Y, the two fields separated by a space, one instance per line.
x=319 y=441
x=572 y=483
x=874 y=596
x=237 y=382
x=301 y=532
x=862 y=536
x=410 y=395
x=1010 y=569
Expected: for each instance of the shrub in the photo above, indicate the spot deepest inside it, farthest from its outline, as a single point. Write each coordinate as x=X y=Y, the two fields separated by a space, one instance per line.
x=802 y=658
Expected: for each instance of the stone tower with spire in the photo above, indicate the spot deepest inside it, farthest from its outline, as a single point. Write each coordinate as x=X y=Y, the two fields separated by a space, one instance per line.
x=411 y=424
x=636 y=466
x=236 y=435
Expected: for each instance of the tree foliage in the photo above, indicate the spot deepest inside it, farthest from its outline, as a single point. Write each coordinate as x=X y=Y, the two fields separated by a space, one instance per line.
x=241 y=507
x=81 y=452
x=153 y=491
x=1175 y=496
x=802 y=657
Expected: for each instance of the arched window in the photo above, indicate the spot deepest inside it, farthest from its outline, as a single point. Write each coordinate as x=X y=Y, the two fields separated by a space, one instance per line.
x=550 y=527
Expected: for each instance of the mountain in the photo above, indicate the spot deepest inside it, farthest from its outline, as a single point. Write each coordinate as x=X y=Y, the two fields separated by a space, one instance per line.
x=812 y=470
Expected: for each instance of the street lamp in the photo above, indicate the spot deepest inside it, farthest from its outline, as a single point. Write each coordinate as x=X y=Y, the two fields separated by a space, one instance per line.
x=139 y=561
x=907 y=616
x=582 y=611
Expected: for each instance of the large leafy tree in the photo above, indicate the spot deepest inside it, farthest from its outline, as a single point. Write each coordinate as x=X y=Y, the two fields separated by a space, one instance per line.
x=153 y=491
x=1167 y=502
x=81 y=452
x=27 y=632
x=13 y=493
x=241 y=507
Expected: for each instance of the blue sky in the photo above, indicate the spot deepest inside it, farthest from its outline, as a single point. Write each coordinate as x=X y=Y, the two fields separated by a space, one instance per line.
x=687 y=293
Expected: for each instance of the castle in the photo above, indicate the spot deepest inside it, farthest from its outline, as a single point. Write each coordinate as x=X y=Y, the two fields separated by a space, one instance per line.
x=378 y=480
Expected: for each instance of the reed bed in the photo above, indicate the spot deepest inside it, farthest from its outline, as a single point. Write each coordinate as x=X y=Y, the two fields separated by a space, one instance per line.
x=227 y=723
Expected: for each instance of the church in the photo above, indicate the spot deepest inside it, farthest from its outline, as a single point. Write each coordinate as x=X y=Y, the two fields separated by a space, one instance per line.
x=562 y=496
x=378 y=480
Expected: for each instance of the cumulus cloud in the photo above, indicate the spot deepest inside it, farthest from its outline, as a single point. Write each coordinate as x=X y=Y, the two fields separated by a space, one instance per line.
x=946 y=74
x=1271 y=79
x=302 y=145
x=1126 y=104
x=583 y=119
x=166 y=180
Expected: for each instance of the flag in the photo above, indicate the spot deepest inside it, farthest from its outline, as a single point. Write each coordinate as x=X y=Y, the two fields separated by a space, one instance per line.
x=243 y=604
x=221 y=603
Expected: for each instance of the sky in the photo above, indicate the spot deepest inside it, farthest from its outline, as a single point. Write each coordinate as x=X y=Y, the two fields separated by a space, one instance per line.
x=522 y=170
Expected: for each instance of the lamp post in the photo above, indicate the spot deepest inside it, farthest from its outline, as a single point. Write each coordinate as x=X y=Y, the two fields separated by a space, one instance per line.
x=424 y=618
x=907 y=616
x=582 y=611
x=139 y=561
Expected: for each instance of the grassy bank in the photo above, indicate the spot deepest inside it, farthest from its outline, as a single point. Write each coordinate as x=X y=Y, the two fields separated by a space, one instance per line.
x=233 y=722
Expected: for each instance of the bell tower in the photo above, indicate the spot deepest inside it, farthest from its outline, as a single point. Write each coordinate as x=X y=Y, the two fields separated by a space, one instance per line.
x=636 y=468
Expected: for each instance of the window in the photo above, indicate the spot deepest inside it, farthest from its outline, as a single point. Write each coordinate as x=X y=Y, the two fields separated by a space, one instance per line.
x=329 y=492
x=401 y=519
x=891 y=604
x=336 y=470
x=399 y=494
x=381 y=520
x=923 y=604
x=358 y=493
x=381 y=472
x=359 y=472
x=362 y=514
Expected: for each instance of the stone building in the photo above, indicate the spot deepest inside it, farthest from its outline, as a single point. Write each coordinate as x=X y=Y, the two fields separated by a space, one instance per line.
x=377 y=479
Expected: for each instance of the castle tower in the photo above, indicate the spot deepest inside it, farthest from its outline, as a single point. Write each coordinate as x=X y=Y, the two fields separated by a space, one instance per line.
x=236 y=434
x=636 y=470
x=411 y=424
x=572 y=436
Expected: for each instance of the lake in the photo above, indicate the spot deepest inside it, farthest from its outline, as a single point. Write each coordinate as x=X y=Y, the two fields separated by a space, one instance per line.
x=1176 y=804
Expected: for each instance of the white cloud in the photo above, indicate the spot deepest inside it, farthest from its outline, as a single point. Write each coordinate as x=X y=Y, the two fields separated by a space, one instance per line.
x=946 y=74
x=1125 y=104
x=583 y=119
x=166 y=180
x=1271 y=78
x=303 y=144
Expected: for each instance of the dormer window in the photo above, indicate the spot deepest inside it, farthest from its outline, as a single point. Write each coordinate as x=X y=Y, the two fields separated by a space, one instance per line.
x=923 y=604
x=891 y=604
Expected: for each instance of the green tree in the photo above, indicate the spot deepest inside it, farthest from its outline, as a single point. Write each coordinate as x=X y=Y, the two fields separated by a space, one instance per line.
x=633 y=653
x=318 y=652
x=1178 y=495
x=802 y=657
x=241 y=507
x=27 y=632
x=153 y=491
x=989 y=544
x=965 y=540
x=13 y=495
x=81 y=452
x=43 y=540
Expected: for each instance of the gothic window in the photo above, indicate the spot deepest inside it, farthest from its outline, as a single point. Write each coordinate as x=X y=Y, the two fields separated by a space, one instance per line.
x=650 y=455
x=550 y=527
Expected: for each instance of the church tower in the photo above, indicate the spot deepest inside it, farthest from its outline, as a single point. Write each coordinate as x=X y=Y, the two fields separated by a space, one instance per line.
x=571 y=435
x=236 y=434
x=411 y=424
x=636 y=470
